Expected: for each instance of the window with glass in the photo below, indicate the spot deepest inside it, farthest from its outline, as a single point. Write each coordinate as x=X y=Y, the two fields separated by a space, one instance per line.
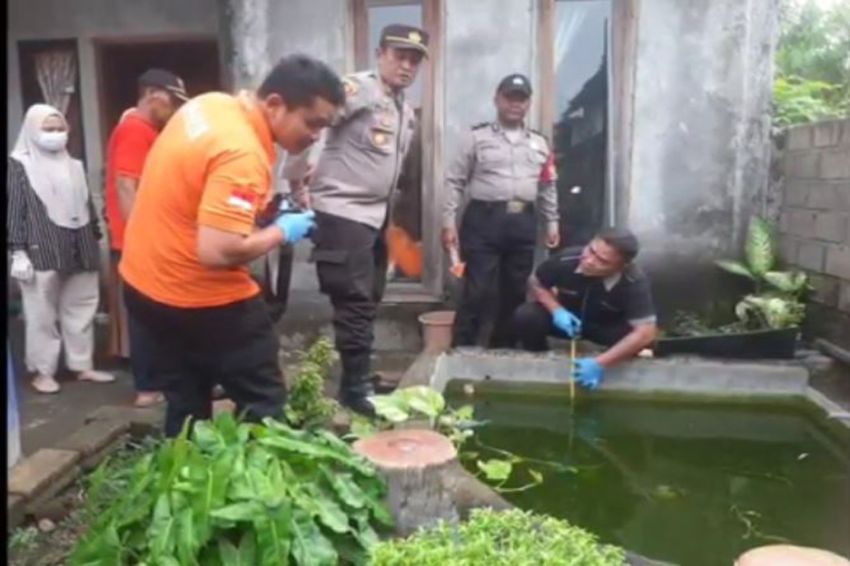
x=579 y=113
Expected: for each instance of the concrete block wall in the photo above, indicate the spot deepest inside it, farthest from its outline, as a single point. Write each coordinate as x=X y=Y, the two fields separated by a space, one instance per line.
x=814 y=220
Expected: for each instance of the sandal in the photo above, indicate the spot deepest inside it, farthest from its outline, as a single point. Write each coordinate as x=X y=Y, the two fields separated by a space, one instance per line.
x=45 y=384
x=96 y=376
x=148 y=399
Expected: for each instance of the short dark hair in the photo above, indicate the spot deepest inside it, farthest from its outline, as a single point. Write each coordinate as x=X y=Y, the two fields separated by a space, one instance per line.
x=621 y=240
x=299 y=79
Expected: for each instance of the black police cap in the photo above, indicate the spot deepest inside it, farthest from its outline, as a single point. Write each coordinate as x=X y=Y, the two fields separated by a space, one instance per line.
x=515 y=82
x=405 y=37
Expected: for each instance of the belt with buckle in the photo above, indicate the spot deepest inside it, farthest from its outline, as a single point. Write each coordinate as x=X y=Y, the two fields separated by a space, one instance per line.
x=517 y=206
x=513 y=206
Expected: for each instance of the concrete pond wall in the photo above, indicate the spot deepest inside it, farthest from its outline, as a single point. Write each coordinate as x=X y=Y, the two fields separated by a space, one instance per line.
x=672 y=379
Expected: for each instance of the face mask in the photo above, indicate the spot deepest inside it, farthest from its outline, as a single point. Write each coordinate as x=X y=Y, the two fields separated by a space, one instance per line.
x=52 y=141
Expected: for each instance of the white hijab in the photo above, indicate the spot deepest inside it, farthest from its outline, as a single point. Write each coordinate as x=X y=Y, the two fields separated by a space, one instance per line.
x=57 y=178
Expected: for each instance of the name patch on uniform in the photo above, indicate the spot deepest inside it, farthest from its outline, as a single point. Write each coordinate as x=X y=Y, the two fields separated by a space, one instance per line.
x=380 y=139
x=242 y=199
x=349 y=86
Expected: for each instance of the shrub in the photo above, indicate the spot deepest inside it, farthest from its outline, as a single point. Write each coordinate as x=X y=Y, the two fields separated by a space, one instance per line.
x=514 y=537
x=260 y=494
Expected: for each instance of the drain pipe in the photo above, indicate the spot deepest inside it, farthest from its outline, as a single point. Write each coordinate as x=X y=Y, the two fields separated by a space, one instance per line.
x=833 y=350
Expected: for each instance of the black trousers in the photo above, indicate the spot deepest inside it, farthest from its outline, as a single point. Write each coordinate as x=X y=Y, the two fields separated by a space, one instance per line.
x=233 y=345
x=533 y=324
x=498 y=248
x=351 y=264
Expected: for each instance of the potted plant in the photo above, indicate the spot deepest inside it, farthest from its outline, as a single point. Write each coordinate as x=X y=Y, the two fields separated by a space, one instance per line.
x=768 y=319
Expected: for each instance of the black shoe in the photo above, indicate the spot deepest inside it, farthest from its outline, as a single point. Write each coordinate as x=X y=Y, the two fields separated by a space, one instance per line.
x=354 y=394
x=360 y=405
x=383 y=387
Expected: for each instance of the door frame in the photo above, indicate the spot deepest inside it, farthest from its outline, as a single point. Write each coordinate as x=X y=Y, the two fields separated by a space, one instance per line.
x=433 y=15
x=101 y=42
x=27 y=49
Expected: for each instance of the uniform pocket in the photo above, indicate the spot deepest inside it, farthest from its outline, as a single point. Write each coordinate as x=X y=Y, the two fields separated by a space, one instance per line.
x=332 y=270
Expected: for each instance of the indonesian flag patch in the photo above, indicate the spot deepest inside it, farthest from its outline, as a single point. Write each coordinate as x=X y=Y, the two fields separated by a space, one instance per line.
x=243 y=199
x=549 y=173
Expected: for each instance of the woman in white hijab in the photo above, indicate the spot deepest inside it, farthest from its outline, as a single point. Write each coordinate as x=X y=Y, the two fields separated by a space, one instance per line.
x=52 y=234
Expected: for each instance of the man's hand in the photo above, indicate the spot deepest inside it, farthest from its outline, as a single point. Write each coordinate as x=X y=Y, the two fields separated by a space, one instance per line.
x=301 y=187
x=566 y=322
x=449 y=237
x=588 y=372
x=295 y=226
x=22 y=268
x=553 y=236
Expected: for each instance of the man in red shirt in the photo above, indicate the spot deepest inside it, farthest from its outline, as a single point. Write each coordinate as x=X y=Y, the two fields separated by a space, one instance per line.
x=160 y=94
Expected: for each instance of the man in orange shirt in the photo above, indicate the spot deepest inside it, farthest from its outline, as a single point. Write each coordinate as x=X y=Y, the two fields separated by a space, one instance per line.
x=160 y=94
x=192 y=234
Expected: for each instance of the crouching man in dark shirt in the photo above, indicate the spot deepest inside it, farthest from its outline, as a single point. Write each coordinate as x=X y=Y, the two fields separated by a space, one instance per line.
x=595 y=293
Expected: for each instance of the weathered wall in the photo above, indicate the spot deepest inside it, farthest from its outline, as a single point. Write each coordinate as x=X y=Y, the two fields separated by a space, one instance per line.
x=258 y=32
x=700 y=140
x=483 y=42
x=815 y=221
x=86 y=20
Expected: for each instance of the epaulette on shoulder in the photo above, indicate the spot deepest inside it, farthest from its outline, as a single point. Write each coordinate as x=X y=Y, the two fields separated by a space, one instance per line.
x=481 y=125
x=539 y=133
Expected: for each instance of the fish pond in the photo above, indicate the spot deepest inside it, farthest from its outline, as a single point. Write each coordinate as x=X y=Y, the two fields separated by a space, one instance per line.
x=693 y=482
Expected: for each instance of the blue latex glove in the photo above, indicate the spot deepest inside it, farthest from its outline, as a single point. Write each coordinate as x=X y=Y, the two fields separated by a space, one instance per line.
x=566 y=321
x=295 y=225
x=588 y=373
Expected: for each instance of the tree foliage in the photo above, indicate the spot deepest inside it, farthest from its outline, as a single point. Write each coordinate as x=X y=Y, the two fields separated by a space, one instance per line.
x=812 y=62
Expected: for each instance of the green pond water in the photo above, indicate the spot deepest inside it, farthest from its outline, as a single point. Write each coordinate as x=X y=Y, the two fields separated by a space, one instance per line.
x=685 y=482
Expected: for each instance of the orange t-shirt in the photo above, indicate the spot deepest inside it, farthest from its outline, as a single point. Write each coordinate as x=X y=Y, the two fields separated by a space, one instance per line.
x=210 y=166
x=129 y=144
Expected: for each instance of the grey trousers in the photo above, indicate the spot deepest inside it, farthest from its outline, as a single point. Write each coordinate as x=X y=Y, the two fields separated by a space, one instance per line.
x=59 y=310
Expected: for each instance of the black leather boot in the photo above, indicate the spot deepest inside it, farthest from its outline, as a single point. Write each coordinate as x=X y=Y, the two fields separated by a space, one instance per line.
x=357 y=385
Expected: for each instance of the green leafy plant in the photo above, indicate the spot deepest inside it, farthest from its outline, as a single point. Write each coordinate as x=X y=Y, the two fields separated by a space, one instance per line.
x=307 y=406
x=424 y=403
x=779 y=295
x=514 y=537
x=238 y=493
x=812 y=62
x=690 y=324
x=798 y=101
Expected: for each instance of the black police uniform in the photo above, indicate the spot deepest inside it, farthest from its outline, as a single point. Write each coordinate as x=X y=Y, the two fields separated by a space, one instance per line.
x=608 y=308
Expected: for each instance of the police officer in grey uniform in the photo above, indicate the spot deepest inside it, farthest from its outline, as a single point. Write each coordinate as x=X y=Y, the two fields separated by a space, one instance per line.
x=350 y=188
x=506 y=173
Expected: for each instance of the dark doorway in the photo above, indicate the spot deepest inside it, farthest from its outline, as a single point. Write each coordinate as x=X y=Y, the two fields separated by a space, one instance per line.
x=44 y=81
x=120 y=64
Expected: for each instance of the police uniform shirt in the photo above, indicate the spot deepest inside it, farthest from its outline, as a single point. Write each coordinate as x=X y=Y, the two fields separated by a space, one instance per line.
x=490 y=166
x=624 y=297
x=363 y=152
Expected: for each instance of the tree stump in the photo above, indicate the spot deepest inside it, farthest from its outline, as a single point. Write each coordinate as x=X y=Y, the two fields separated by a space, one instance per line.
x=788 y=555
x=413 y=462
